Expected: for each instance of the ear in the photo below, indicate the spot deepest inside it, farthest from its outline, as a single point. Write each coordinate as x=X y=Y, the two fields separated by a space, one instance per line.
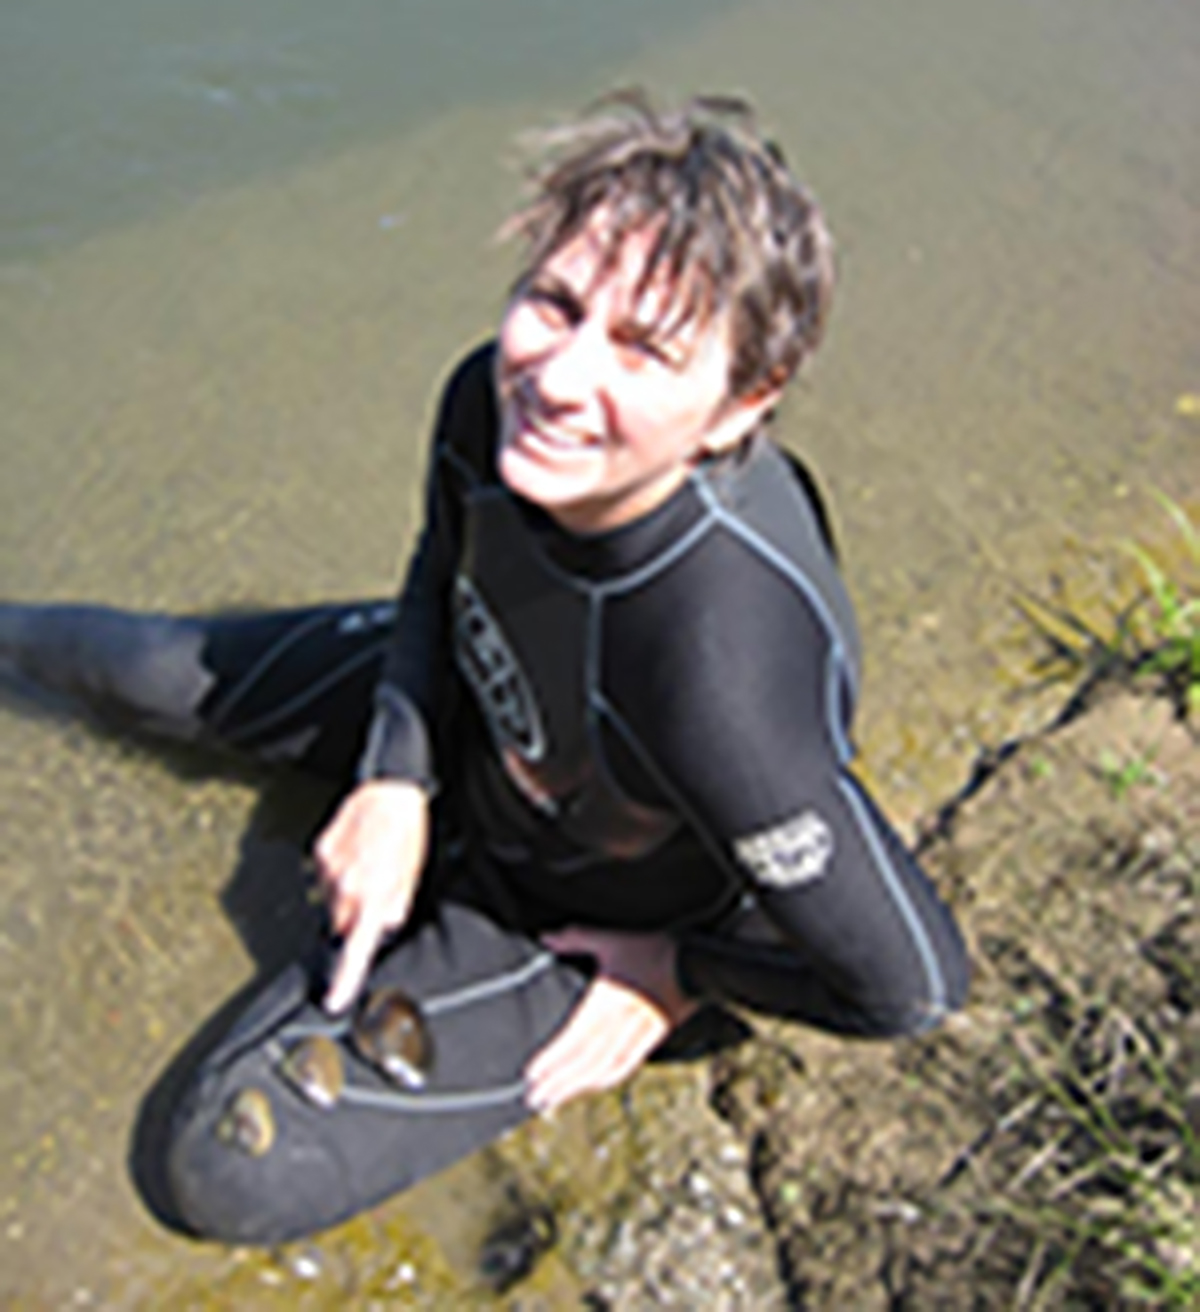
x=737 y=417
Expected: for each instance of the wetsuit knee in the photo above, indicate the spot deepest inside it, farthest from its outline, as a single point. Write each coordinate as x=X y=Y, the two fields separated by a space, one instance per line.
x=299 y=1119
x=241 y=1169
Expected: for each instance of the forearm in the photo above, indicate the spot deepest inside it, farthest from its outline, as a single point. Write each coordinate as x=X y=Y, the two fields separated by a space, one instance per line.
x=860 y=945
x=370 y=859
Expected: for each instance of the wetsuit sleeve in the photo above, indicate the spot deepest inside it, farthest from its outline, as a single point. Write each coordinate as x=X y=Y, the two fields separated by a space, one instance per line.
x=745 y=713
x=411 y=694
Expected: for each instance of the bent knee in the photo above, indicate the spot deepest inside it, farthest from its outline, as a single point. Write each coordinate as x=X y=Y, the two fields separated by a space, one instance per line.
x=240 y=1172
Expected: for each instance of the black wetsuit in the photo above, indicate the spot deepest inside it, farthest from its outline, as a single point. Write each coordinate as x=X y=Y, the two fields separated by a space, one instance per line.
x=656 y=723
x=647 y=728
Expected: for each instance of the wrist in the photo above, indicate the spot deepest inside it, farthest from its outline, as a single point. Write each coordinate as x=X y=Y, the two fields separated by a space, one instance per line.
x=676 y=1002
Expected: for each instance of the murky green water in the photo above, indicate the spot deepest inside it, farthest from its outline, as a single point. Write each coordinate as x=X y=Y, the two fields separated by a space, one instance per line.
x=239 y=242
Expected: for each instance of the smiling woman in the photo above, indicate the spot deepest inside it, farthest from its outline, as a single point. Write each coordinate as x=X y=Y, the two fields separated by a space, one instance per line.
x=625 y=664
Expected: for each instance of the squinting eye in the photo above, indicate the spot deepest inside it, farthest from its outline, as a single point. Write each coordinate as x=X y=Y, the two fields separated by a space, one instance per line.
x=552 y=304
x=646 y=348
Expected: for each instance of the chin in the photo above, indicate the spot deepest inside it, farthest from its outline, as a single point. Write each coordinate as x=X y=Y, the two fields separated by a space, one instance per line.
x=529 y=479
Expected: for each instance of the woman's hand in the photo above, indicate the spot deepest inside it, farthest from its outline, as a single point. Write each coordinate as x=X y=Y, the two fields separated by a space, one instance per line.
x=369 y=860
x=629 y=1008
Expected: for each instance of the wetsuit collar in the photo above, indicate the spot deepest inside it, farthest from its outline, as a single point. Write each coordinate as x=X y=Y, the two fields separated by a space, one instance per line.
x=617 y=551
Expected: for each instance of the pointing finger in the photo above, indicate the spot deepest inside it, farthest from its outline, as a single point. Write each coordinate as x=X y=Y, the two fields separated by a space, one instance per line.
x=354 y=961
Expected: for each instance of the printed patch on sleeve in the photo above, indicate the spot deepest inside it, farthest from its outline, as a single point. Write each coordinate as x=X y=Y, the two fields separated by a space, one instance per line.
x=794 y=852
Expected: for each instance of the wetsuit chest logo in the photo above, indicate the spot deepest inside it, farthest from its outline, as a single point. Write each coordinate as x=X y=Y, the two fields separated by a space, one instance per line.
x=490 y=667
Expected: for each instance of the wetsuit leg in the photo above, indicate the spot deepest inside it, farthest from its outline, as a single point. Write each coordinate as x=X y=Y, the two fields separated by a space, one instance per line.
x=880 y=954
x=290 y=686
x=253 y=1160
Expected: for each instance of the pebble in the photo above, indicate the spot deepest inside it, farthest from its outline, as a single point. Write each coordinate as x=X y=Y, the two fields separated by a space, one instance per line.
x=699 y=1184
x=306 y=1264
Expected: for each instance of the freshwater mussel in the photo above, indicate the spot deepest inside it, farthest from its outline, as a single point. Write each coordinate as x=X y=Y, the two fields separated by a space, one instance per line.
x=391 y=1034
x=248 y=1123
x=313 y=1067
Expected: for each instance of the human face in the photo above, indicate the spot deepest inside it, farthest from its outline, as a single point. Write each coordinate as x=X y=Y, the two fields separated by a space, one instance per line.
x=602 y=415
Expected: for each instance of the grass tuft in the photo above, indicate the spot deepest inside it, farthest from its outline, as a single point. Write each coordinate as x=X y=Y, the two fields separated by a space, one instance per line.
x=1154 y=638
x=1170 y=621
x=1100 y=1171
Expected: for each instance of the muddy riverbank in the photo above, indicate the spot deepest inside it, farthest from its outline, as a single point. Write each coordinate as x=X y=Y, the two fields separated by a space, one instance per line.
x=1039 y=1150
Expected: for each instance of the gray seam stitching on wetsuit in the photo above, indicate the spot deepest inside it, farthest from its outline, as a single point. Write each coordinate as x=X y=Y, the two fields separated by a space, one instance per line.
x=778 y=561
x=716 y=849
x=894 y=885
x=384 y=1100
x=841 y=744
x=837 y=663
x=479 y=991
x=891 y=880
x=663 y=561
x=393 y=1100
x=435 y=1006
x=513 y=979
x=597 y=707
x=594 y=700
x=313 y=691
x=262 y=665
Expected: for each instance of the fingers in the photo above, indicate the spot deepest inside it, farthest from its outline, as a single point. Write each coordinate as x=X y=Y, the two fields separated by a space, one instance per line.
x=604 y=1041
x=369 y=860
x=361 y=911
x=354 y=961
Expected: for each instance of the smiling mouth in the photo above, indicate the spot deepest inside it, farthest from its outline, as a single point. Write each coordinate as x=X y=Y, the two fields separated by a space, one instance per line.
x=529 y=427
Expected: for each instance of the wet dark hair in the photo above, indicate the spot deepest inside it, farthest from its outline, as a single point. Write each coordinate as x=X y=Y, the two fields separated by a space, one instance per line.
x=734 y=230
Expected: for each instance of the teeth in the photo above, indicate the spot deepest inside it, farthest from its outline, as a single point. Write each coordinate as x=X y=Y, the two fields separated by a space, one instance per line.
x=564 y=441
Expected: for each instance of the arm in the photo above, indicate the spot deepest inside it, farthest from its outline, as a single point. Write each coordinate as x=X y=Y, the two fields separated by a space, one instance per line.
x=743 y=723
x=371 y=856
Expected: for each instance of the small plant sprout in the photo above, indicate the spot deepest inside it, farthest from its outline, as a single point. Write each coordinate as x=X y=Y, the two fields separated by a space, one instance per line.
x=1170 y=628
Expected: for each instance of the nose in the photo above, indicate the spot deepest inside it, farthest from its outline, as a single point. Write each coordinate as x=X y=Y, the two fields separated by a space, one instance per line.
x=569 y=373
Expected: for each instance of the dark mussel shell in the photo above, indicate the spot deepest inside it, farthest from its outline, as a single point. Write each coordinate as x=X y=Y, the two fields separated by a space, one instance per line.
x=391 y=1034
x=513 y=1247
x=313 y=1067
x=248 y=1123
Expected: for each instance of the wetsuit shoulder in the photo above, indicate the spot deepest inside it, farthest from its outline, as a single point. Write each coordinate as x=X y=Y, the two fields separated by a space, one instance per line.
x=466 y=428
x=726 y=674
x=410 y=698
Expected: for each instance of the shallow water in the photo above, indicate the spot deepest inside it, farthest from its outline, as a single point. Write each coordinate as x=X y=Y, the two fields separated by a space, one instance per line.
x=239 y=244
